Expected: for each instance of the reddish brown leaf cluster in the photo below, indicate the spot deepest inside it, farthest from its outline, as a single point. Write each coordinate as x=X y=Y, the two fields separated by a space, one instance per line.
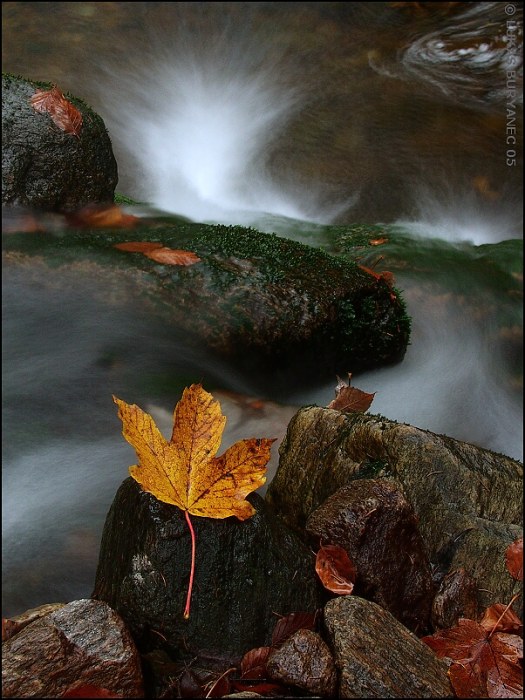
x=64 y=114
x=335 y=569
x=487 y=655
x=349 y=398
x=159 y=253
x=252 y=674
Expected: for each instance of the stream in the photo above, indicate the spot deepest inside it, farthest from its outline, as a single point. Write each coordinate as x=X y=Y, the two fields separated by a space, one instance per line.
x=295 y=119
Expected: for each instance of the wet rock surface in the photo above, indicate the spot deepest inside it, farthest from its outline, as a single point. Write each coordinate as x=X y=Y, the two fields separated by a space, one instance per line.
x=305 y=661
x=468 y=500
x=377 y=527
x=377 y=657
x=84 y=643
x=246 y=573
x=46 y=168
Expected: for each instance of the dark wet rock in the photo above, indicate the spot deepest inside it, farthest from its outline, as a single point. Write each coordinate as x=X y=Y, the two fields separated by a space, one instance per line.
x=305 y=661
x=244 y=576
x=377 y=527
x=377 y=657
x=42 y=166
x=468 y=500
x=84 y=643
x=457 y=597
x=257 y=300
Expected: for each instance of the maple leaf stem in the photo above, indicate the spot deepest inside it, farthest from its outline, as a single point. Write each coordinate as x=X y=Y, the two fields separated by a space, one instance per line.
x=190 y=584
x=502 y=614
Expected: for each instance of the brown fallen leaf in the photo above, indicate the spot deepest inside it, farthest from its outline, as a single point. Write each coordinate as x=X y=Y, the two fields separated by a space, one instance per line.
x=378 y=241
x=185 y=472
x=289 y=624
x=137 y=246
x=101 y=216
x=253 y=663
x=484 y=664
x=335 y=569
x=349 y=398
x=170 y=256
x=63 y=113
x=514 y=559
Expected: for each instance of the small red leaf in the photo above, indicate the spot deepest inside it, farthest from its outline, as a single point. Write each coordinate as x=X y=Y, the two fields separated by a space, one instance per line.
x=64 y=114
x=253 y=663
x=335 y=569
x=349 y=398
x=514 y=559
x=169 y=256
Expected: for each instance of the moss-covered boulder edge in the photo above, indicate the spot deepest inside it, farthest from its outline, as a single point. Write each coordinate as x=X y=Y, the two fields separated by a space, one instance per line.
x=256 y=299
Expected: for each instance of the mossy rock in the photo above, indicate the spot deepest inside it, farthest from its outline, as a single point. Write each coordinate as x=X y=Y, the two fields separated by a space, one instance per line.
x=260 y=301
x=46 y=168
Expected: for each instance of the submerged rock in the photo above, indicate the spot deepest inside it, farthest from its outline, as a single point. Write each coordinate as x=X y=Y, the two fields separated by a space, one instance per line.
x=246 y=573
x=265 y=303
x=46 y=168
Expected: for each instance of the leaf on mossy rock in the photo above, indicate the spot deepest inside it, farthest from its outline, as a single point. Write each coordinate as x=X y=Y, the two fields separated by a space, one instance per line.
x=349 y=398
x=63 y=113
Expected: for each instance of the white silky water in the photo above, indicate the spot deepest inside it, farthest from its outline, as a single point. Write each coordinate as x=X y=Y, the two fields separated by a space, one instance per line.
x=285 y=118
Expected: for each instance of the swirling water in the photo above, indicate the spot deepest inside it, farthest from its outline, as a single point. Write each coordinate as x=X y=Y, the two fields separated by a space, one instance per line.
x=287 y=120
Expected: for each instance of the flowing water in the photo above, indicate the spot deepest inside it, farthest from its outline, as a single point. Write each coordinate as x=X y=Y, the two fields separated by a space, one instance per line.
x=286 y=117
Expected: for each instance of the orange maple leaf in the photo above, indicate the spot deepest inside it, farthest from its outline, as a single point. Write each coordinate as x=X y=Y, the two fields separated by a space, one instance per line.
x=184 y=471
x=64 y=114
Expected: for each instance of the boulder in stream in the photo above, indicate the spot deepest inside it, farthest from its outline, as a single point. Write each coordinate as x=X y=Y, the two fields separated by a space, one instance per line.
x=246 y=574
x=282 y=311
x=45 y=168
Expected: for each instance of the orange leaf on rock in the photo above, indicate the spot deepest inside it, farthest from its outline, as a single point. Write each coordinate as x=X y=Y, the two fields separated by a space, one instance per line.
x=102 y=216
x=378 y=241
x=349 y=398
x=64 y=114
x=184 y=471
x=514 y=559
x=170 y=256
x=137 y=246
x=335 y=569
